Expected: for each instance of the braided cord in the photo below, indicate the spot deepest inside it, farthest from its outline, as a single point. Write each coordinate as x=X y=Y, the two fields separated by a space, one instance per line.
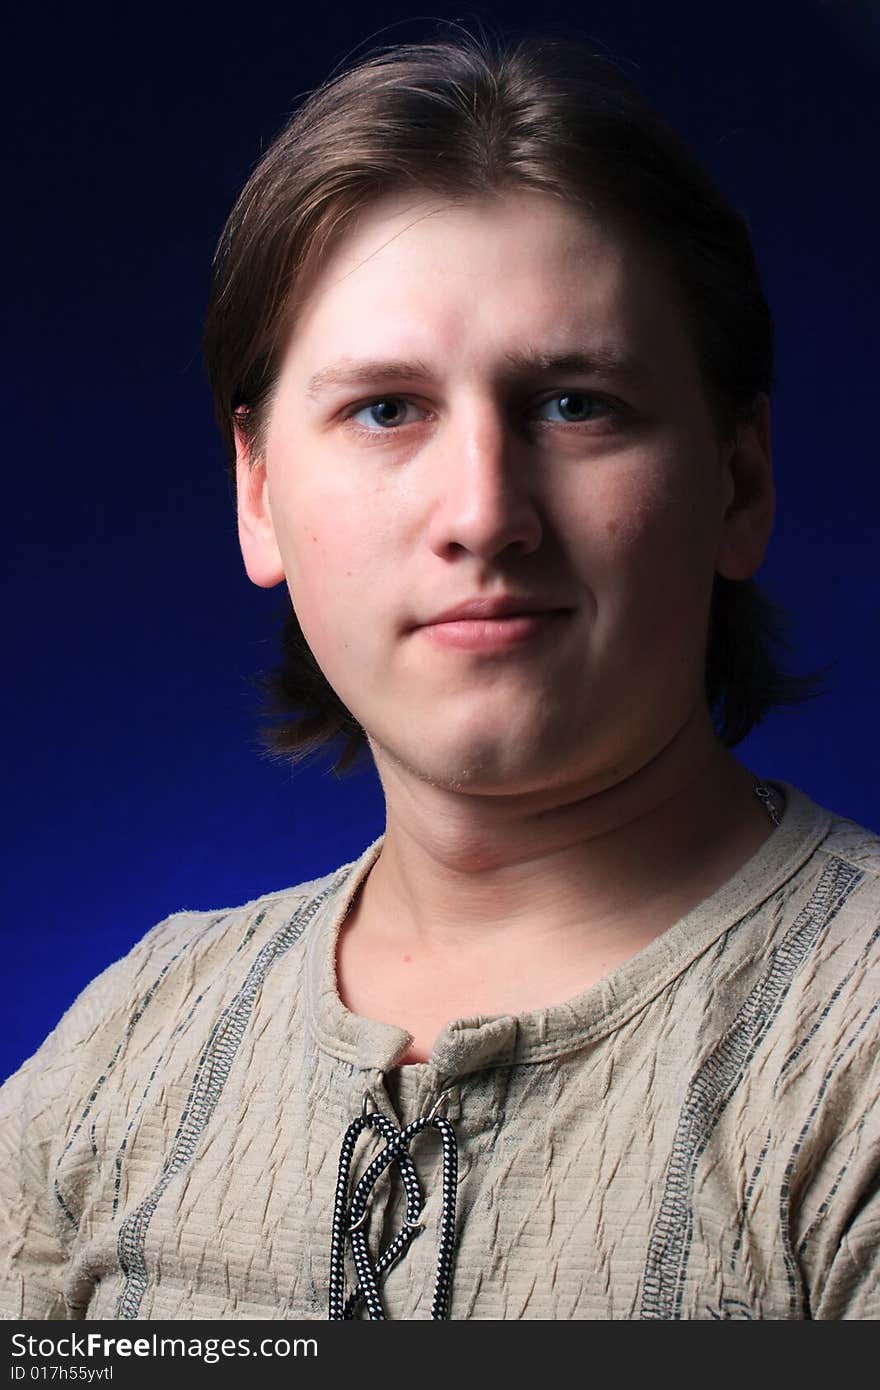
x=350 y=1217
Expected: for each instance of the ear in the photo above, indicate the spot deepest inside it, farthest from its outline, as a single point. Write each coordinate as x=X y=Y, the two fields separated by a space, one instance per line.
x=256 y=532
x=750 y=497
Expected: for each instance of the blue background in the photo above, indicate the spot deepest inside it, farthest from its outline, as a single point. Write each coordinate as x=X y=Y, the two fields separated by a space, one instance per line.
x=134 y=782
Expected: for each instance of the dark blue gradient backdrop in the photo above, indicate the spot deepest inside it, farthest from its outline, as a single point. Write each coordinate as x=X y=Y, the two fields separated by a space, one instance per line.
x=134 y=785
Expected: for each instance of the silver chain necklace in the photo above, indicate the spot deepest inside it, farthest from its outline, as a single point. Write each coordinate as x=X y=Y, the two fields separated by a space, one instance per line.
x=764 y=794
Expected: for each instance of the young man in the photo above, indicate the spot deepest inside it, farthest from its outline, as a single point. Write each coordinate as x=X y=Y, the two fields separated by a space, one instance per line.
x=588 y=1032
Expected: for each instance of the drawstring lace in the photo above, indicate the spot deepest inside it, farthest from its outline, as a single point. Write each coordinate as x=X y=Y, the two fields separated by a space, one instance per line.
x=350 y=1216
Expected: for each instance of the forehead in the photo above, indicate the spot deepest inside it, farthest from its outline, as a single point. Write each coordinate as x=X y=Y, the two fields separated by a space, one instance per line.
x=457 y=282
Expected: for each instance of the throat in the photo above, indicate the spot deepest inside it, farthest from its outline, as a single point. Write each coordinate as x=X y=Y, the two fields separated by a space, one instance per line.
x=574 y=917
x=422 y=989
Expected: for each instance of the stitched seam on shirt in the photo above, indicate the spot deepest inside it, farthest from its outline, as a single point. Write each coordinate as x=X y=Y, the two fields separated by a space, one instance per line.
x=857 y=964
x=785 y=1191
x=209 y=1080
x=713 y=1085
x=98 y=1085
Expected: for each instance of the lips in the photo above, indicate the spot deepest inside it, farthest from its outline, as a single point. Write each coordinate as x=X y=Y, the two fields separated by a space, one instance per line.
x=493 y=624
x=504 y=606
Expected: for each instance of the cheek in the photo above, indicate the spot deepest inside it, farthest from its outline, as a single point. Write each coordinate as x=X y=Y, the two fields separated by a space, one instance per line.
x=622 y=519
x=648 y=533
x=329 y=549
x=674 y=500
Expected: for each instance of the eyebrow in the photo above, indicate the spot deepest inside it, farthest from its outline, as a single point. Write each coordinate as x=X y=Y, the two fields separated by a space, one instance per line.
x=351 y=371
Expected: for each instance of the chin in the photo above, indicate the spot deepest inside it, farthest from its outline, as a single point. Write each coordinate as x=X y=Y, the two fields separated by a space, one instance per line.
x=485 y=767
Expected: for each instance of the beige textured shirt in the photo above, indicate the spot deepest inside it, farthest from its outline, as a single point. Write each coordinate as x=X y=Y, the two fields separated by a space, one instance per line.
x=696 y=1136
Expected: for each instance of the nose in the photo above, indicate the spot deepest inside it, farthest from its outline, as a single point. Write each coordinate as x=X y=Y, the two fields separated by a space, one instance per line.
x=485 y=501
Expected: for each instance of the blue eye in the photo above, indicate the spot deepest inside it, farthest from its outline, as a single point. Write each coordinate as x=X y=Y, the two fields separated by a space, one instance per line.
x=388 y=413
x=384 y=413
x=574 y=407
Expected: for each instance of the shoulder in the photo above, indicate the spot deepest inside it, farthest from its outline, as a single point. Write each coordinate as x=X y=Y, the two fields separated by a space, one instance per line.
x=827 y=912
x=207 y=940
x=831 y=1073
x=834 y=861
x=844 y=898
x=143 y=1028
x=818 y=973
x=855 y=845
x=175 y=969
x=803 y=969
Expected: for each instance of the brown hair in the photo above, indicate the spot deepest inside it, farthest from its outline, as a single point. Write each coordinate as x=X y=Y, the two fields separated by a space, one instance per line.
x=468 y=117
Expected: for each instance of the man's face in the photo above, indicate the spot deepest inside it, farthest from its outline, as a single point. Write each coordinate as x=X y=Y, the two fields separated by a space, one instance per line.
x=486 y=400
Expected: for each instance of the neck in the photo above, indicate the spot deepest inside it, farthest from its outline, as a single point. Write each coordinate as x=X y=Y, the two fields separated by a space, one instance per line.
x=488 y=905
x=456 y=863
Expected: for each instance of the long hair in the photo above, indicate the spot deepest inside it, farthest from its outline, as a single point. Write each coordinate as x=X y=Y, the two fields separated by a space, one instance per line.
x=469 y=117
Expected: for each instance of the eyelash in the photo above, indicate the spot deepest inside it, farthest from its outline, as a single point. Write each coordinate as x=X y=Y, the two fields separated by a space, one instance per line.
x=610 y=408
